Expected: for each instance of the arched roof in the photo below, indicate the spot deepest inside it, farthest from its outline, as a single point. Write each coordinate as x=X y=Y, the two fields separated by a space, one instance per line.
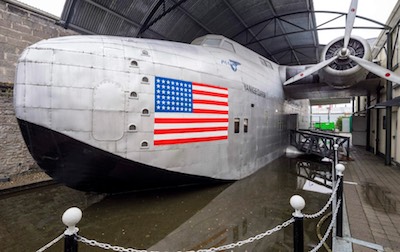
x=284 y=31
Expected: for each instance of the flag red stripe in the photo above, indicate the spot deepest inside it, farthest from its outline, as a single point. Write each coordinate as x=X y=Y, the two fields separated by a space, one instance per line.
x=198 y=101
x=200 y=92
x=189 y=130
x=189 y=140
x=210 y=111
x=190 y=120
x=206 y=85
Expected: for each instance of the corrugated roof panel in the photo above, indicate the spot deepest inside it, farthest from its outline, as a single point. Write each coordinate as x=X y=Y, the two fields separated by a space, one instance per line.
x=290 y=6
x=179 y=20
x=252 y=12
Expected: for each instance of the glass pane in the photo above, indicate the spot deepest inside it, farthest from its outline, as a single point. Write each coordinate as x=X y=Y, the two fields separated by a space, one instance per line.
x=237 y=125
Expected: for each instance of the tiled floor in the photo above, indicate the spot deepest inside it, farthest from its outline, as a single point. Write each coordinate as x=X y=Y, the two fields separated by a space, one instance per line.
x=373 y=203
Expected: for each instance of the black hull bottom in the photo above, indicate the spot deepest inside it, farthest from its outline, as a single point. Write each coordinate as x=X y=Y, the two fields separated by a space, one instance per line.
x=86 y=168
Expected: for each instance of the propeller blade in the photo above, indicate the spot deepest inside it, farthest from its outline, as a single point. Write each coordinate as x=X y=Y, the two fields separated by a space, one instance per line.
x=378 y=70
x=310 y=70
x=351 y=16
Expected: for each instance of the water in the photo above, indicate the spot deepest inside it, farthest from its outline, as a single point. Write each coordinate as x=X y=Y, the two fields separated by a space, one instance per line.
x=173 y=219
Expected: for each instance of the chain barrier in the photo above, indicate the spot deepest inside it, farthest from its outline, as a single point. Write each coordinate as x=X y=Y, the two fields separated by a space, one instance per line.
x=318 y=214
x=224 y=247
x=251 y=239
x=107 y=246
x=48 y=245
x=328 y=231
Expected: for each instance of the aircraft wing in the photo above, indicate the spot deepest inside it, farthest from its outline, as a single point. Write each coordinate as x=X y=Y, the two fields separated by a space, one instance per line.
x=315 y=90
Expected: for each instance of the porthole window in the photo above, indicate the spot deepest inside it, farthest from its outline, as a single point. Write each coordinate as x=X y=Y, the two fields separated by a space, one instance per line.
x=145 y=80
x=144 y=144
x=134 y=63
x=133 y=95
x=132 y=127
x=245 y=125
x=145 y=53
x=237 y=125
x=145 y=111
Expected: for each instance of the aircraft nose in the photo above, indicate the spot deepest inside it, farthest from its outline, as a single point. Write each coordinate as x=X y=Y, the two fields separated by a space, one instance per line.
x=84 y=84
x=54 y=79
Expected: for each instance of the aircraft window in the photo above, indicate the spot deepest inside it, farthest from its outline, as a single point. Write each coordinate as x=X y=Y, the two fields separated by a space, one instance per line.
x=245 y=125
x=132 y=127
x=145 y=112
x=133 y=95
x=212 y=42
x=144 y=145
x=145 y=80
x=134 y=63
x=266 y=63
x=228 y=46
x=237 y=125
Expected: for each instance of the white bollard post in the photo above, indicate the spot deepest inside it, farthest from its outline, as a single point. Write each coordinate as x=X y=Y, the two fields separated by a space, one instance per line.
x=298 y=203
x=70 y=218
x=339 y=196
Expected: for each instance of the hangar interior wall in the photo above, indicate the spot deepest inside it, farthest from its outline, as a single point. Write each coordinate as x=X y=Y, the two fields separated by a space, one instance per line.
x=19 y=28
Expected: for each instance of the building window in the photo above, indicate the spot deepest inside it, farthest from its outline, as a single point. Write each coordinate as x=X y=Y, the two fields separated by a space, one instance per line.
x=237 y=125
x=245 y=125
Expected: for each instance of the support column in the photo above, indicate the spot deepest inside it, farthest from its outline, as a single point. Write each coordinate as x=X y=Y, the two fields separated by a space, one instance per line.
x=368 y=146
x=389 y=95
x=377 y=131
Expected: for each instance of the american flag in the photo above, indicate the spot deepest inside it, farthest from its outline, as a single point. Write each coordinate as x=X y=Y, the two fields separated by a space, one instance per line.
x=189 y=112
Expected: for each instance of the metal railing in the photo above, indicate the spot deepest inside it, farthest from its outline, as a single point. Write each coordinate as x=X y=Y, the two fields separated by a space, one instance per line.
x=319 y=143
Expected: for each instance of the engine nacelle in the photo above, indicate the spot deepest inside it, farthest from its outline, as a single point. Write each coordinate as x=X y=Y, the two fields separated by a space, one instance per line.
x=344 y=72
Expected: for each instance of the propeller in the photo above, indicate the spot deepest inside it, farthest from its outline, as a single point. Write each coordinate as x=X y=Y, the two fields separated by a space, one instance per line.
x=344 y=53
x=310 y=70
x=375 y=69
x=351 y=16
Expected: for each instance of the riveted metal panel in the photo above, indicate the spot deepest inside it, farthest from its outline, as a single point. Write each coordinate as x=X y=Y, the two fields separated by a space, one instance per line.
x=108 y=112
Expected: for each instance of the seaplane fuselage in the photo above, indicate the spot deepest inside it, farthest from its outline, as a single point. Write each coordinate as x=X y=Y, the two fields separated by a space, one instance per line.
x=102 y=113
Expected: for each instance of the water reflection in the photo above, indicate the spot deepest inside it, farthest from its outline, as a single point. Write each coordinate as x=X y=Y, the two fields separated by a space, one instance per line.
x=313 y=175
x=31 y=219
x=174 y=219
x=379 y=197
x=247 y=208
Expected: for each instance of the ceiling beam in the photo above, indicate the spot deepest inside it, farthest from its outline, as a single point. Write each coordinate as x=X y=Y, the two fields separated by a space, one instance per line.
x=250 y=31
x=114 y=13
x=283 y=30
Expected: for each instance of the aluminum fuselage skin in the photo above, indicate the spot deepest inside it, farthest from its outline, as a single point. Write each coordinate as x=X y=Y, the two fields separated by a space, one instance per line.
x=100 y=91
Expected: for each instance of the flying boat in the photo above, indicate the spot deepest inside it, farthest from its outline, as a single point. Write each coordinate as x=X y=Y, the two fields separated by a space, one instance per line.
x=110 y=114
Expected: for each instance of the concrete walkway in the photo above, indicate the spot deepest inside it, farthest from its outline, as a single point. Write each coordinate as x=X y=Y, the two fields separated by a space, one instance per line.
x=372 y=194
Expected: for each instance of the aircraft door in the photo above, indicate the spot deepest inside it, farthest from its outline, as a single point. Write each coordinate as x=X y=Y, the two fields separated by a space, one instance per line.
x=108 y=112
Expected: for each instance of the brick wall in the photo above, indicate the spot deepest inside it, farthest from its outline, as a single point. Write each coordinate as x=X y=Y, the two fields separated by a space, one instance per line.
x=19 y=28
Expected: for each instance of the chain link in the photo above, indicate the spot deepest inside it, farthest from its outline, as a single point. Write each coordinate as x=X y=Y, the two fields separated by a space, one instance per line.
x=251 y=239
x=106 y=245
x=328 y=231
x=224 y=247
x=318 y=214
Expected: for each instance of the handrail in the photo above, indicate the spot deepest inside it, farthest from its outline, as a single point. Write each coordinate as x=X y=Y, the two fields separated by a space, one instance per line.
x=319 y=143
